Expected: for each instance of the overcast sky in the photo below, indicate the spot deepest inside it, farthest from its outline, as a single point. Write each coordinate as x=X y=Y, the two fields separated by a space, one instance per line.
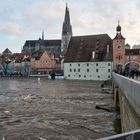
x=22 y=20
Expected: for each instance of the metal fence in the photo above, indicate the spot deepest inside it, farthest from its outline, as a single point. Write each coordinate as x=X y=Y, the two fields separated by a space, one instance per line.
x=133 y=135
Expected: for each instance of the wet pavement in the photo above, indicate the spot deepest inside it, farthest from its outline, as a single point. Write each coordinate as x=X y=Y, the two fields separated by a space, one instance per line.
x=53 y=110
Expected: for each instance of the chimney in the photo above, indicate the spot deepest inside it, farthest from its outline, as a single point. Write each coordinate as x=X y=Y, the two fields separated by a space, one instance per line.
x=107 y=48
x=93 y=54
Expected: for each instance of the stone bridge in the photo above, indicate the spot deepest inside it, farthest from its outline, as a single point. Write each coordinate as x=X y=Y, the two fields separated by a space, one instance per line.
x=127 y=100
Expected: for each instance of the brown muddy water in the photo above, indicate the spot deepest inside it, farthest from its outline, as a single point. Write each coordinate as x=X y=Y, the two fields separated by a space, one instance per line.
x=53 y=110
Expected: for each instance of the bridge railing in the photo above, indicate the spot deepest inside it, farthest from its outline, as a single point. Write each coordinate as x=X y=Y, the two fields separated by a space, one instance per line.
x=131 y=90
x=133 y=135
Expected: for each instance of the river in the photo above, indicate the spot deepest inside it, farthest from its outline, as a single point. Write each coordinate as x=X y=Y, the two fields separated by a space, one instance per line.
x=32 y=109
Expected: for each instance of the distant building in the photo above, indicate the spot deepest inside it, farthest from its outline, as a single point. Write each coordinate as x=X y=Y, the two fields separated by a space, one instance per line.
x=118 y=50
x=127 y=46
x=124 y=58
x=56 y=46
x=6 y=56
x=33 y=46
x=89 y=58
x=94 y=57
x=7 y=52
x=136 y=47
x=44 y=63
x=132 y=60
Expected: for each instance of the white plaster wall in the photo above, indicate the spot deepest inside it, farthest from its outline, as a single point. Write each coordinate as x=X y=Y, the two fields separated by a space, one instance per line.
x=93 y=74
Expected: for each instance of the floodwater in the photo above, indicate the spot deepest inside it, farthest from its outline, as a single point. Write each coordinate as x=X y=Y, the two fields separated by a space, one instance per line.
x=32 y=109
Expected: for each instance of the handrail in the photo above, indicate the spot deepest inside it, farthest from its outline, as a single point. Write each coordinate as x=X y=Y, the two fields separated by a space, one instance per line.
x=132 y=135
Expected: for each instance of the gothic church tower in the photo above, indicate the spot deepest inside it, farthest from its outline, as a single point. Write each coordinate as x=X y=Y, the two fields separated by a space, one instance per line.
x=66 y=31
x=119 y=50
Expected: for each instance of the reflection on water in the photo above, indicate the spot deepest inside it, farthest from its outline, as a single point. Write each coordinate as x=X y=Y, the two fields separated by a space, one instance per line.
x=57 y=110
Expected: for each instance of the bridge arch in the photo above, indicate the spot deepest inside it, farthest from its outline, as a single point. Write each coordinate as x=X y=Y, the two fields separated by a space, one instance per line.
x=132 y=65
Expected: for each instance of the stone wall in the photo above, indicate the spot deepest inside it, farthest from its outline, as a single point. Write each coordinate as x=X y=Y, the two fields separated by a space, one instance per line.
x=126 y=97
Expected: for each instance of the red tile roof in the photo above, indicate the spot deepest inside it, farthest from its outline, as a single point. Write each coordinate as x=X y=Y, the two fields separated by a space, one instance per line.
x=81 y=47
x=119 y=36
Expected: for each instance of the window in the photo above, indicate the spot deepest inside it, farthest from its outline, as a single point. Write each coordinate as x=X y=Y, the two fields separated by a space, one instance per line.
x=87 y=64
x=78 y=64
x=96 y=70
x=98 y=76
x=87 y=70
x=68 y=75
x=119 y=58
x=74 y=70
x=78 y=70
x=108 y=64
x=70 y=70
x=84 y=76
x=119 y=47
x=108 y=70
x=70 y=64
x=97 y=64
x=79 y=76
x=108 y=76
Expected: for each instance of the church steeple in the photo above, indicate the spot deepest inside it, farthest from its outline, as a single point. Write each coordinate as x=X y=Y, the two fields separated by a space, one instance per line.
x=43 y=35
x=118 y=32
x=66 y=30
x=118 y=29
x=119 y=50
x=66 y=24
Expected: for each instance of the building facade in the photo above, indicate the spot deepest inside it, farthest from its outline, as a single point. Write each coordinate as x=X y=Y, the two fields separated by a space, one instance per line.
x=56 y=46
x=119 y=50
x=88 y=70
x=42 y=64
x=89 y=58
x=125 y=59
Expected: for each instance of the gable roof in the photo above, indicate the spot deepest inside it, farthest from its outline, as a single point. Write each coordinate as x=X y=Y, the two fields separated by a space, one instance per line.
x=44 y=42
x=81 y=47
x=52 y=42
x=7 y=51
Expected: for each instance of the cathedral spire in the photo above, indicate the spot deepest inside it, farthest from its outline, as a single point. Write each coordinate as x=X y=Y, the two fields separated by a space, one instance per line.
x=66 y=24
x=67 y=16
x=66 y=30
x=42 y=34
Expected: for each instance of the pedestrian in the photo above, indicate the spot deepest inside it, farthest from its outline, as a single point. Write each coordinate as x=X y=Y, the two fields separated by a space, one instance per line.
x=137 y=74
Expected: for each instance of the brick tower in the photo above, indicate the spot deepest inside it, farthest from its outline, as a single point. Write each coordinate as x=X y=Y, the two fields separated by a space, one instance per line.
x=119 y=50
